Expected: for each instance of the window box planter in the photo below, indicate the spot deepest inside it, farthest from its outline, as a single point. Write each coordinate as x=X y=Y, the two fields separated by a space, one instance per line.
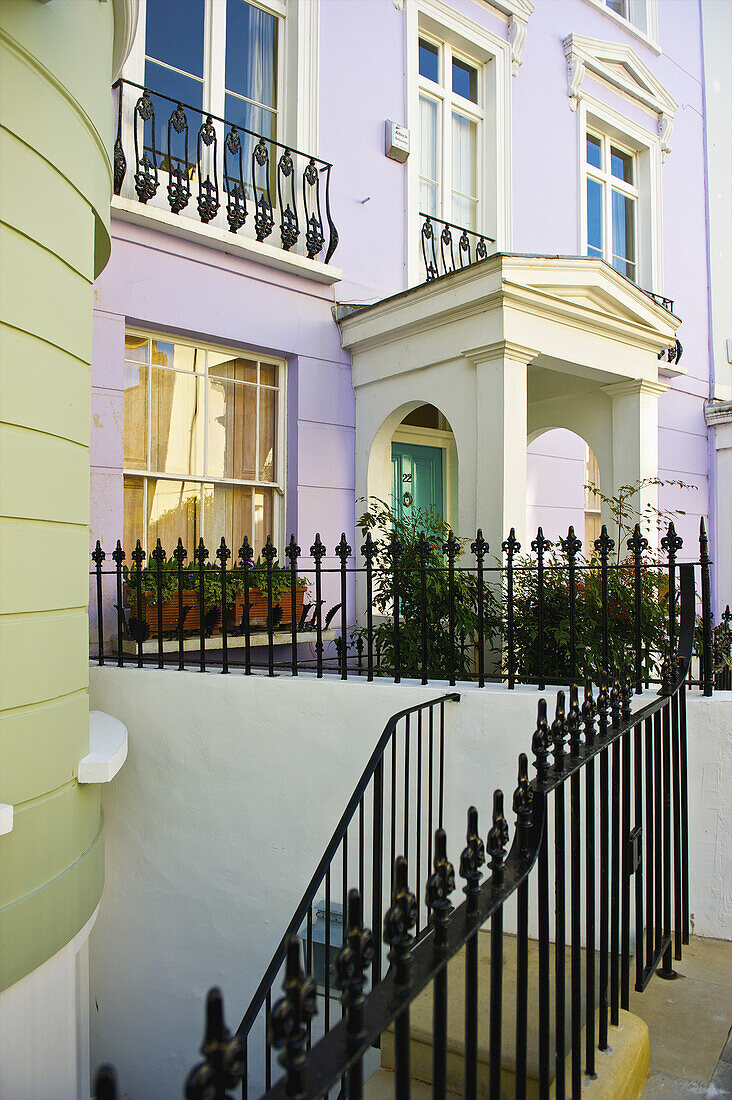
x=191 y=619
x=258 y=607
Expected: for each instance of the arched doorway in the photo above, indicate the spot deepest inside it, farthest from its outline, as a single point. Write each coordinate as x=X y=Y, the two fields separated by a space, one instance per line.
x=424 y=464
x=562 y=486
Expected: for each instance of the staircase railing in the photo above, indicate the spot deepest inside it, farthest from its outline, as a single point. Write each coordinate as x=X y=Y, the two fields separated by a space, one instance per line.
x=410 y=751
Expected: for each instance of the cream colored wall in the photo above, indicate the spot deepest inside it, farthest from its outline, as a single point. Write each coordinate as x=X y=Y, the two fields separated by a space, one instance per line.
x=56 y=132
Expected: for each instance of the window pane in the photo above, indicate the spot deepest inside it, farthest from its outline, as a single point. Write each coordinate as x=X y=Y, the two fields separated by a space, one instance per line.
x=135 y=417
x=465 y=80
x=232 y=428
x=176 y=444
x=429 y=60
x=178 y=87
x=428 y=198
x=594 y=218
x=268 y=374
x=133 y=523
x=623 y=233
x=221 y=365
x=174 y=33
x=136 y=348
x=227 y=513
x=173 y=512
x=251 y=52
x=594 y=151
x=267 y=437
x=621 y=164
x=428 y=139
x=263 y=513
x=464 y=211
x=180 y=356
x=618 y=6
x=464 y=156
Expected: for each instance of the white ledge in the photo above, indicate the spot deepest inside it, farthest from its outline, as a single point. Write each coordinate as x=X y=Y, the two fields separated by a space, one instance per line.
x=108 y=749
x=6 y=818
x=187 y=229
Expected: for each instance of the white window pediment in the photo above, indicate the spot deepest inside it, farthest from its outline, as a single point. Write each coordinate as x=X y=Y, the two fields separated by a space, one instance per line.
x=518 y=13
x=621 y=67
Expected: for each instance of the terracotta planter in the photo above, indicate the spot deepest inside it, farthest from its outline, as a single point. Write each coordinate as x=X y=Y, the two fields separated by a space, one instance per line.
x=191 y=621
x=258 y=607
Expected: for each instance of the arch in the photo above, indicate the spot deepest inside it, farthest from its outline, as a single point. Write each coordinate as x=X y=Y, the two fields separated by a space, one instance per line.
x=393 y=429
x=560 y=463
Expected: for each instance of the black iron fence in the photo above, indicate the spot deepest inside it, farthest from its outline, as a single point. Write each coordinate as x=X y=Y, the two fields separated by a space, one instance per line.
x=432 y=611
x=600 y=843
x=227 y=171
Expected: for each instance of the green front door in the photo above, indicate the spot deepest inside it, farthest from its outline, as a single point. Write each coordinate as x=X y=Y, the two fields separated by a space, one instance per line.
x=416 y=478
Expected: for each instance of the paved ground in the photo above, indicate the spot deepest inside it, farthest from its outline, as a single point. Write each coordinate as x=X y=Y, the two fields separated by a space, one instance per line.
x=689 y=1020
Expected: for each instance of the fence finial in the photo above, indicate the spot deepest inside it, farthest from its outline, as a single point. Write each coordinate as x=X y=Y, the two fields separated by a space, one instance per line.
x=105 y=1086
x=588 y=713
x=558 y=733
x=223 y=1065
x=574 y=721
x=603 y=703
x=523 y=804
x=353 y=961
x=440 y=885
x=472 y=858
x=498 y=838
x=540 y=743
x=400 y=918
x=615 y=702
x=290 y=1018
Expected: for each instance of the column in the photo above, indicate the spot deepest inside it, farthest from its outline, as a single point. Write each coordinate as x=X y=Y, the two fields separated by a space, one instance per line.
x=634 y=412
x=719 y=419
x=500 y=427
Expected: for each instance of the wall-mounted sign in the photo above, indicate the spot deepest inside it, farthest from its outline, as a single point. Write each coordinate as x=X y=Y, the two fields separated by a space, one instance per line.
x=396 y=141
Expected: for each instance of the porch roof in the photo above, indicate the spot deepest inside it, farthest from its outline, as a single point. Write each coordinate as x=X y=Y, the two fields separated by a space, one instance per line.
x=578 y=315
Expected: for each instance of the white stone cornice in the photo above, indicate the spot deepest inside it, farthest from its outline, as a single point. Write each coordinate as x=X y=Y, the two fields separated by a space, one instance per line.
x=620 y=66
x=500 y=349
x=717 y=413
x=517 y=28
x=636 y=385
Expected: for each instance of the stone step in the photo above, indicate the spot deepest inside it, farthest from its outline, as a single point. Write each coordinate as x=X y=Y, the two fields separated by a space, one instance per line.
x=421 y=1026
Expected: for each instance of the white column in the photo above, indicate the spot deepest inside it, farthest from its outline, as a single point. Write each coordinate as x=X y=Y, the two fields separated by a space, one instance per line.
x=500 y=432
x=719 y=419
x=635 y=441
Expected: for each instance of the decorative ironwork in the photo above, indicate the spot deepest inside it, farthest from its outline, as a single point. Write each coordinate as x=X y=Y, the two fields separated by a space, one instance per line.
x=227 y=164
x=523 y=804
x=541 y=741
x=223 y=1064
x=400 y=919
x=472 y=857
x=497 y=838
x=435 y=267
x=291 y=1016
x=352 y=963
x=440 y=885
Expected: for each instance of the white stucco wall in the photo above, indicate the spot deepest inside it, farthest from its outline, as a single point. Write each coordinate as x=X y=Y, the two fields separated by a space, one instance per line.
x=231 y=790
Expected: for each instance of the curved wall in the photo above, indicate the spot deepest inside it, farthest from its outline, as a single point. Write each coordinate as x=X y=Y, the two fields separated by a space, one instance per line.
x=55 y=175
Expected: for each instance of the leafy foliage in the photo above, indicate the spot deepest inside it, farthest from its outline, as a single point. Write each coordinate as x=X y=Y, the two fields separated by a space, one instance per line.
x=235 y=581
x=421 y=614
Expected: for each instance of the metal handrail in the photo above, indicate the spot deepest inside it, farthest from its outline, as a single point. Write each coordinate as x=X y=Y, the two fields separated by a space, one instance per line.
x=309 y=896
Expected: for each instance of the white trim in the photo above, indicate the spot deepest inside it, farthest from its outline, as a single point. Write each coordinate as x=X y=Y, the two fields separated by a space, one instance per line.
x=649 y=36
x=494 y=55
x=6 y=818
x=637 y=83
x=107 y=749
x=647 y=147
x=125 y=28
x=246 y=248
x=445 y=441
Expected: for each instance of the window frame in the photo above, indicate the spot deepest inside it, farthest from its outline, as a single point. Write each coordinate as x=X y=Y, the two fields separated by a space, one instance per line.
x=596 y=118
x=609 y=182
x=451 y=103
x=647 y=33
x=277 y=486
x=433 y=20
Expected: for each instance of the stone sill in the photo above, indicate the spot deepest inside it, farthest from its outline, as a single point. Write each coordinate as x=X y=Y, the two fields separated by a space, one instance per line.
x=107 y=749
x=186 y=229
x=192 y=643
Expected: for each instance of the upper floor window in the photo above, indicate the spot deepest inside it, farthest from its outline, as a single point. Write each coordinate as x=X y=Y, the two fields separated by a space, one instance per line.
x=217 y=55
x=612 y=203
x=450 y=134
x=202 y=444
x=634 y=11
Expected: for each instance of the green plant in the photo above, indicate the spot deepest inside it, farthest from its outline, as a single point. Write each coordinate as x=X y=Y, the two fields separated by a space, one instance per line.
x=588 y=617
x=625 y=514
x=419 y=614
x=281 y=579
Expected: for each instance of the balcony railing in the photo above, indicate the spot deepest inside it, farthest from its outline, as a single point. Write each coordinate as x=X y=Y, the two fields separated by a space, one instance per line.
x=440 y=258
x=219 y=172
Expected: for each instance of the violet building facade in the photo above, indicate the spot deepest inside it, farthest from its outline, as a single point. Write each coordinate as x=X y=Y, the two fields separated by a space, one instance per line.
x=240 y=387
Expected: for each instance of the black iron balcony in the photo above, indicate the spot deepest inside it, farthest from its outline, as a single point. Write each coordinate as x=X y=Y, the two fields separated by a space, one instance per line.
x=472 y=247
x=234 y=172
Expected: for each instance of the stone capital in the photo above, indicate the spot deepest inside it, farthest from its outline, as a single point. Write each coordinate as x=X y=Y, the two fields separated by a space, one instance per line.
x=501 y=349
x=635 y=386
